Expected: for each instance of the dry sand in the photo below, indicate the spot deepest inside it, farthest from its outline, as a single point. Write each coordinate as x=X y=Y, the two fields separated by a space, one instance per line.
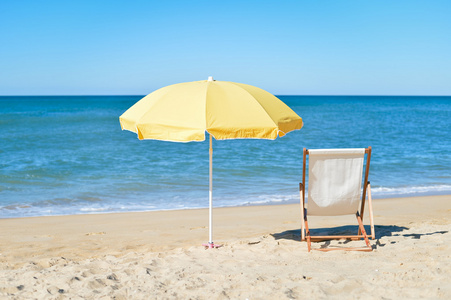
x=158 y=255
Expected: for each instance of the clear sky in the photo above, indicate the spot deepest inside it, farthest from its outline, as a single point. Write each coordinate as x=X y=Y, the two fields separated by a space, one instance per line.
x=384 y=47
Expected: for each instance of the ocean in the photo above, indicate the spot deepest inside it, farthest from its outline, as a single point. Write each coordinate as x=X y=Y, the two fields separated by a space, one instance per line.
x=64 y=155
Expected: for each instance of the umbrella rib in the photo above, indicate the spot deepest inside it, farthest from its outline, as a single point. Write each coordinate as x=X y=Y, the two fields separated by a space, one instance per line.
x=260 y=105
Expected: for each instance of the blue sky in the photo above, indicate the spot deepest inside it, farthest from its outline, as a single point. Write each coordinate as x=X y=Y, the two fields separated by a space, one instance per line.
x=285 y=47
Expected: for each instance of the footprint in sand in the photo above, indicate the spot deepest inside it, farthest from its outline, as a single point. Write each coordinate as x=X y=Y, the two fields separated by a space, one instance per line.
x=200 y=227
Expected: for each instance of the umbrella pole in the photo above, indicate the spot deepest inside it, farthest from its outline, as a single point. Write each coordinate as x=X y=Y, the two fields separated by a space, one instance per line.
x=210 y=226
x=210 y=223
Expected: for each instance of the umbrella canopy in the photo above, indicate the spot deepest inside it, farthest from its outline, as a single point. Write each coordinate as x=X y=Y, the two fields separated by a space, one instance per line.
x=184 y=112
x=226 y=110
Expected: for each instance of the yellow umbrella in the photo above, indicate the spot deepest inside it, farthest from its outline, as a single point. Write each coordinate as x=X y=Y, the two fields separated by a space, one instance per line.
x=226 y=110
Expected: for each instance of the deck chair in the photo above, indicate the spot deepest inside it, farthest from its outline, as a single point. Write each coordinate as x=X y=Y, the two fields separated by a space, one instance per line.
x=334 y=188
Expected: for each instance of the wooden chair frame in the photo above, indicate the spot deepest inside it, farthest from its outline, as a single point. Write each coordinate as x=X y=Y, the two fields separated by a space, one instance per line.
x=306 y=235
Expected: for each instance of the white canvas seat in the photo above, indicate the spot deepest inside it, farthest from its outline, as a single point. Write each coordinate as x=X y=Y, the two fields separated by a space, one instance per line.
x=335 y=188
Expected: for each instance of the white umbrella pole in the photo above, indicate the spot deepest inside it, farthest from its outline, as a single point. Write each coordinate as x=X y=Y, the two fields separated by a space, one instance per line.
x=210 y=241
x=210 y=225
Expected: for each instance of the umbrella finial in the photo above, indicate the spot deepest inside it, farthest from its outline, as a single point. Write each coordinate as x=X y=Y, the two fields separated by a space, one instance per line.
x=210 y=78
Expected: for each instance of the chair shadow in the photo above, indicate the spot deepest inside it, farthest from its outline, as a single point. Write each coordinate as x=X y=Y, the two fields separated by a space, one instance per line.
x=381 y=231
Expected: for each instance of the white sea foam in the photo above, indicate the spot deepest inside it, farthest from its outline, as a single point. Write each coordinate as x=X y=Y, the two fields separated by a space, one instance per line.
x=385 y=192
x=376 y=192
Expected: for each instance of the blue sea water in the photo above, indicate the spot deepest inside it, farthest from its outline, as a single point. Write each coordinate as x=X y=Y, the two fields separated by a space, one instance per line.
x=68 y=155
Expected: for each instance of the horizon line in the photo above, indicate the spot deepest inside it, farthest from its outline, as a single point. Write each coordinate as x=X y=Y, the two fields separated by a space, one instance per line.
x=283 y=95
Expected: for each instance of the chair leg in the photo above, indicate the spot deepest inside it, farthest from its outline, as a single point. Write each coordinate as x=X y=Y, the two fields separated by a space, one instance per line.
x=307 y=234
x=362 y=229
x=370 y=206
x=370 y=211
x=301 y=187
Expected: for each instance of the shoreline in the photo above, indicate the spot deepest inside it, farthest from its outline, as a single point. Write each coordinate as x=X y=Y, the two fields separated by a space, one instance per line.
x=160 y=253
x=248 y=204
x=274 y=203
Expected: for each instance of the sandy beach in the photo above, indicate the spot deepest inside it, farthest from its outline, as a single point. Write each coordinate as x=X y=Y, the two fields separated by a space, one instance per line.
x=158 y=255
